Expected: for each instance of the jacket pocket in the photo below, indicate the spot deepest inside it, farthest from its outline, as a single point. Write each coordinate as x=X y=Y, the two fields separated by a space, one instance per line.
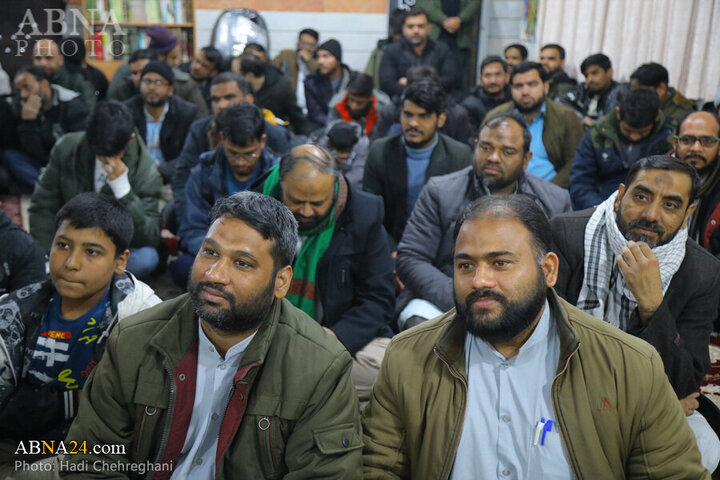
x=270 y=444
x=338 y=439
x=150 y=405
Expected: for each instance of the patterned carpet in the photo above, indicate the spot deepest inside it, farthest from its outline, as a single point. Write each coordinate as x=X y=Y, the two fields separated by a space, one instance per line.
x=711 y=385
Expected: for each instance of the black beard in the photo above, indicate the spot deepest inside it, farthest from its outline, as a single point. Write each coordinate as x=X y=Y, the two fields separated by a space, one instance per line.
x=239 y=318
x=514 y=318
x=625 y=229
x=359 y=114
x=159 y=103
x=532 y=108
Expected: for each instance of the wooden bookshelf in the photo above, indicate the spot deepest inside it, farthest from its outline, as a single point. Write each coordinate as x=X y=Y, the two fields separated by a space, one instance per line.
x=107 y=45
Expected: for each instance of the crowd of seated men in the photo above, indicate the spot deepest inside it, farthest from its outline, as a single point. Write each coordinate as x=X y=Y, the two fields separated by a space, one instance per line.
x=389 y=273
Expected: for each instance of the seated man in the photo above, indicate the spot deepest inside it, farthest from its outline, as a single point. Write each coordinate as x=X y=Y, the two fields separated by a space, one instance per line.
x=126 y=80
x=255 y=388
x=492 y=90
x=205 y=66
x=517 y=383
x=240 y=159
x=359 y=105
x=22 y=261
x=272 y=90
x=226 y=89
x=300 y=62
x=425 y=253
x=48 y=57
x=349 y=147
x=397 y=167
x=515 y=54
x=630 y=262
x=45 y=112
x=556 y=130
x=636 y=129
x=162 y=118
x=54 y=332
x=599 y=94
x=105 y=158
x=552 y=58
x=672 y=103
x=331 y=77
x=342 y=276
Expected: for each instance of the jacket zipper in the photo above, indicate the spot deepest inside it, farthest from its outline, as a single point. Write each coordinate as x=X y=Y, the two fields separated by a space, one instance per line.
x=559 y=419
x=168 y=423
x=270 y=441
x=456 y=433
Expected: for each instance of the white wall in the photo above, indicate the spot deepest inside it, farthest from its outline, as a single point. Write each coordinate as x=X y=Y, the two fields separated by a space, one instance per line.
x=505 y=26
x=358 y=33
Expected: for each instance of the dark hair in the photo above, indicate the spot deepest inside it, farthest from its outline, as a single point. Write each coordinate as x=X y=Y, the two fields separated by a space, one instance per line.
x=639 y=107
x=109 y=129
x=599 y=59
x=494 y=122
x=97 y=210
x=249 y=63
x=241 y=124
x=559 y=48
x=396 y=20
x=77 y=56
x=227 y=77
x=668 y=163
x=268 y=217
x=421 y=72
x=143 y=54
x=427 y=94
x=214 y=56
x=342 y=136
x=36 y=72
x=256 y=47
x=521 y=48
x=651 y=75
x=311 y=32
x=325 y=162
x=685 y=116
x=525 y=67
x=360 y=84
x=516 y=207
x=414 y=11
x=490 y=59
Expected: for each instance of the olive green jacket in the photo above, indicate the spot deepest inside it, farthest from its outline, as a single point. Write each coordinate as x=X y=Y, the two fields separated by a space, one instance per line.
x=675 y=105
x=70 y=171
x=617 y=414
x=469 y=9
x=292 y=413
x=561 y=136
x=76 y=82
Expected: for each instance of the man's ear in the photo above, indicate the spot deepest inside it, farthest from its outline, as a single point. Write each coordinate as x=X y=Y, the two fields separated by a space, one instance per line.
x=546 y=87
x=171 y=91
x=526 y=159
x=250 y=98
x=620 y=195
x=550 y=265
x=121 y=262
x=283 y=278
x=689 y=212
x=442 y=118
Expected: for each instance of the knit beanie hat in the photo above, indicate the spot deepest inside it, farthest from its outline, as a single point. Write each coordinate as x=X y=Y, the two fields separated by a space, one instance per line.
x=162 y=40
x=161 y=68
x=332 y=46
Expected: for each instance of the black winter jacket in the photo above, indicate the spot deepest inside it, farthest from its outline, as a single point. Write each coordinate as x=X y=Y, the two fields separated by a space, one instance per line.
x=22 y=261
x=319 y=92
x=478 y=104
x=278 y=96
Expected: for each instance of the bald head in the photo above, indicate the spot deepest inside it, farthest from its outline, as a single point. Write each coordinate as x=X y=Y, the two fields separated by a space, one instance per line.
x=47 y=55
x=697 y=141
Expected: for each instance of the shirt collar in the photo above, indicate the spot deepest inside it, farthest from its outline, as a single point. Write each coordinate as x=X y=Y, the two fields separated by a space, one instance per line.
x=150 y=119
x=233 y=352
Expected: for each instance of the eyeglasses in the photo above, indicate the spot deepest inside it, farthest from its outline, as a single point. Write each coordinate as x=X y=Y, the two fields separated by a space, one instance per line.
x=158 y=83
x=689 y=140
x=249 y=157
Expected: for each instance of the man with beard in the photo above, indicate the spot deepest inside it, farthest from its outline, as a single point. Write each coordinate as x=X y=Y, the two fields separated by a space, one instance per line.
x=239 y=160
x=552 y=58
x=204 y=67
x=696 y=143
x=515 y=54
x=124 y=87
x=599 y=94
x=635 y=129
x=162 y=118
x=631 y=263
x=493 y=90
x=332 y=76
x=359 y=104
x=299 y=63
x=537 y=386
x=236 y=381
x=397 y=167
x=343 y=272
x=425 y=253
x=555 y=130
x=47 y=56
x=416 y=48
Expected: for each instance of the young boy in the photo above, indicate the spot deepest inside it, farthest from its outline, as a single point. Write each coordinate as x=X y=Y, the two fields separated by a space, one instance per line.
x=53 y=333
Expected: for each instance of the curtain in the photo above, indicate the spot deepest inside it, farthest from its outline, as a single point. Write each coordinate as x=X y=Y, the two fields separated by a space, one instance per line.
x=678 y=34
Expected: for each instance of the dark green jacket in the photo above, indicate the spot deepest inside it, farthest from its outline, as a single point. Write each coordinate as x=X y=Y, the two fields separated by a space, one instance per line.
x=76 y=82
x=469 y=10
x=675 y=105
x=562 y=133
x=386 y=174
x=70 y=171
x=292 y=413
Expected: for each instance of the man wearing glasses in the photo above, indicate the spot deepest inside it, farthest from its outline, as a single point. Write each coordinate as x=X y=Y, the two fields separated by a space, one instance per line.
x=696 y=143
x=162 y=118
x=240 y=159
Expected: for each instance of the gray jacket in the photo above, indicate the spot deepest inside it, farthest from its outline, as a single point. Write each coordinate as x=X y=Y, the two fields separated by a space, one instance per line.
x=424 y=261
